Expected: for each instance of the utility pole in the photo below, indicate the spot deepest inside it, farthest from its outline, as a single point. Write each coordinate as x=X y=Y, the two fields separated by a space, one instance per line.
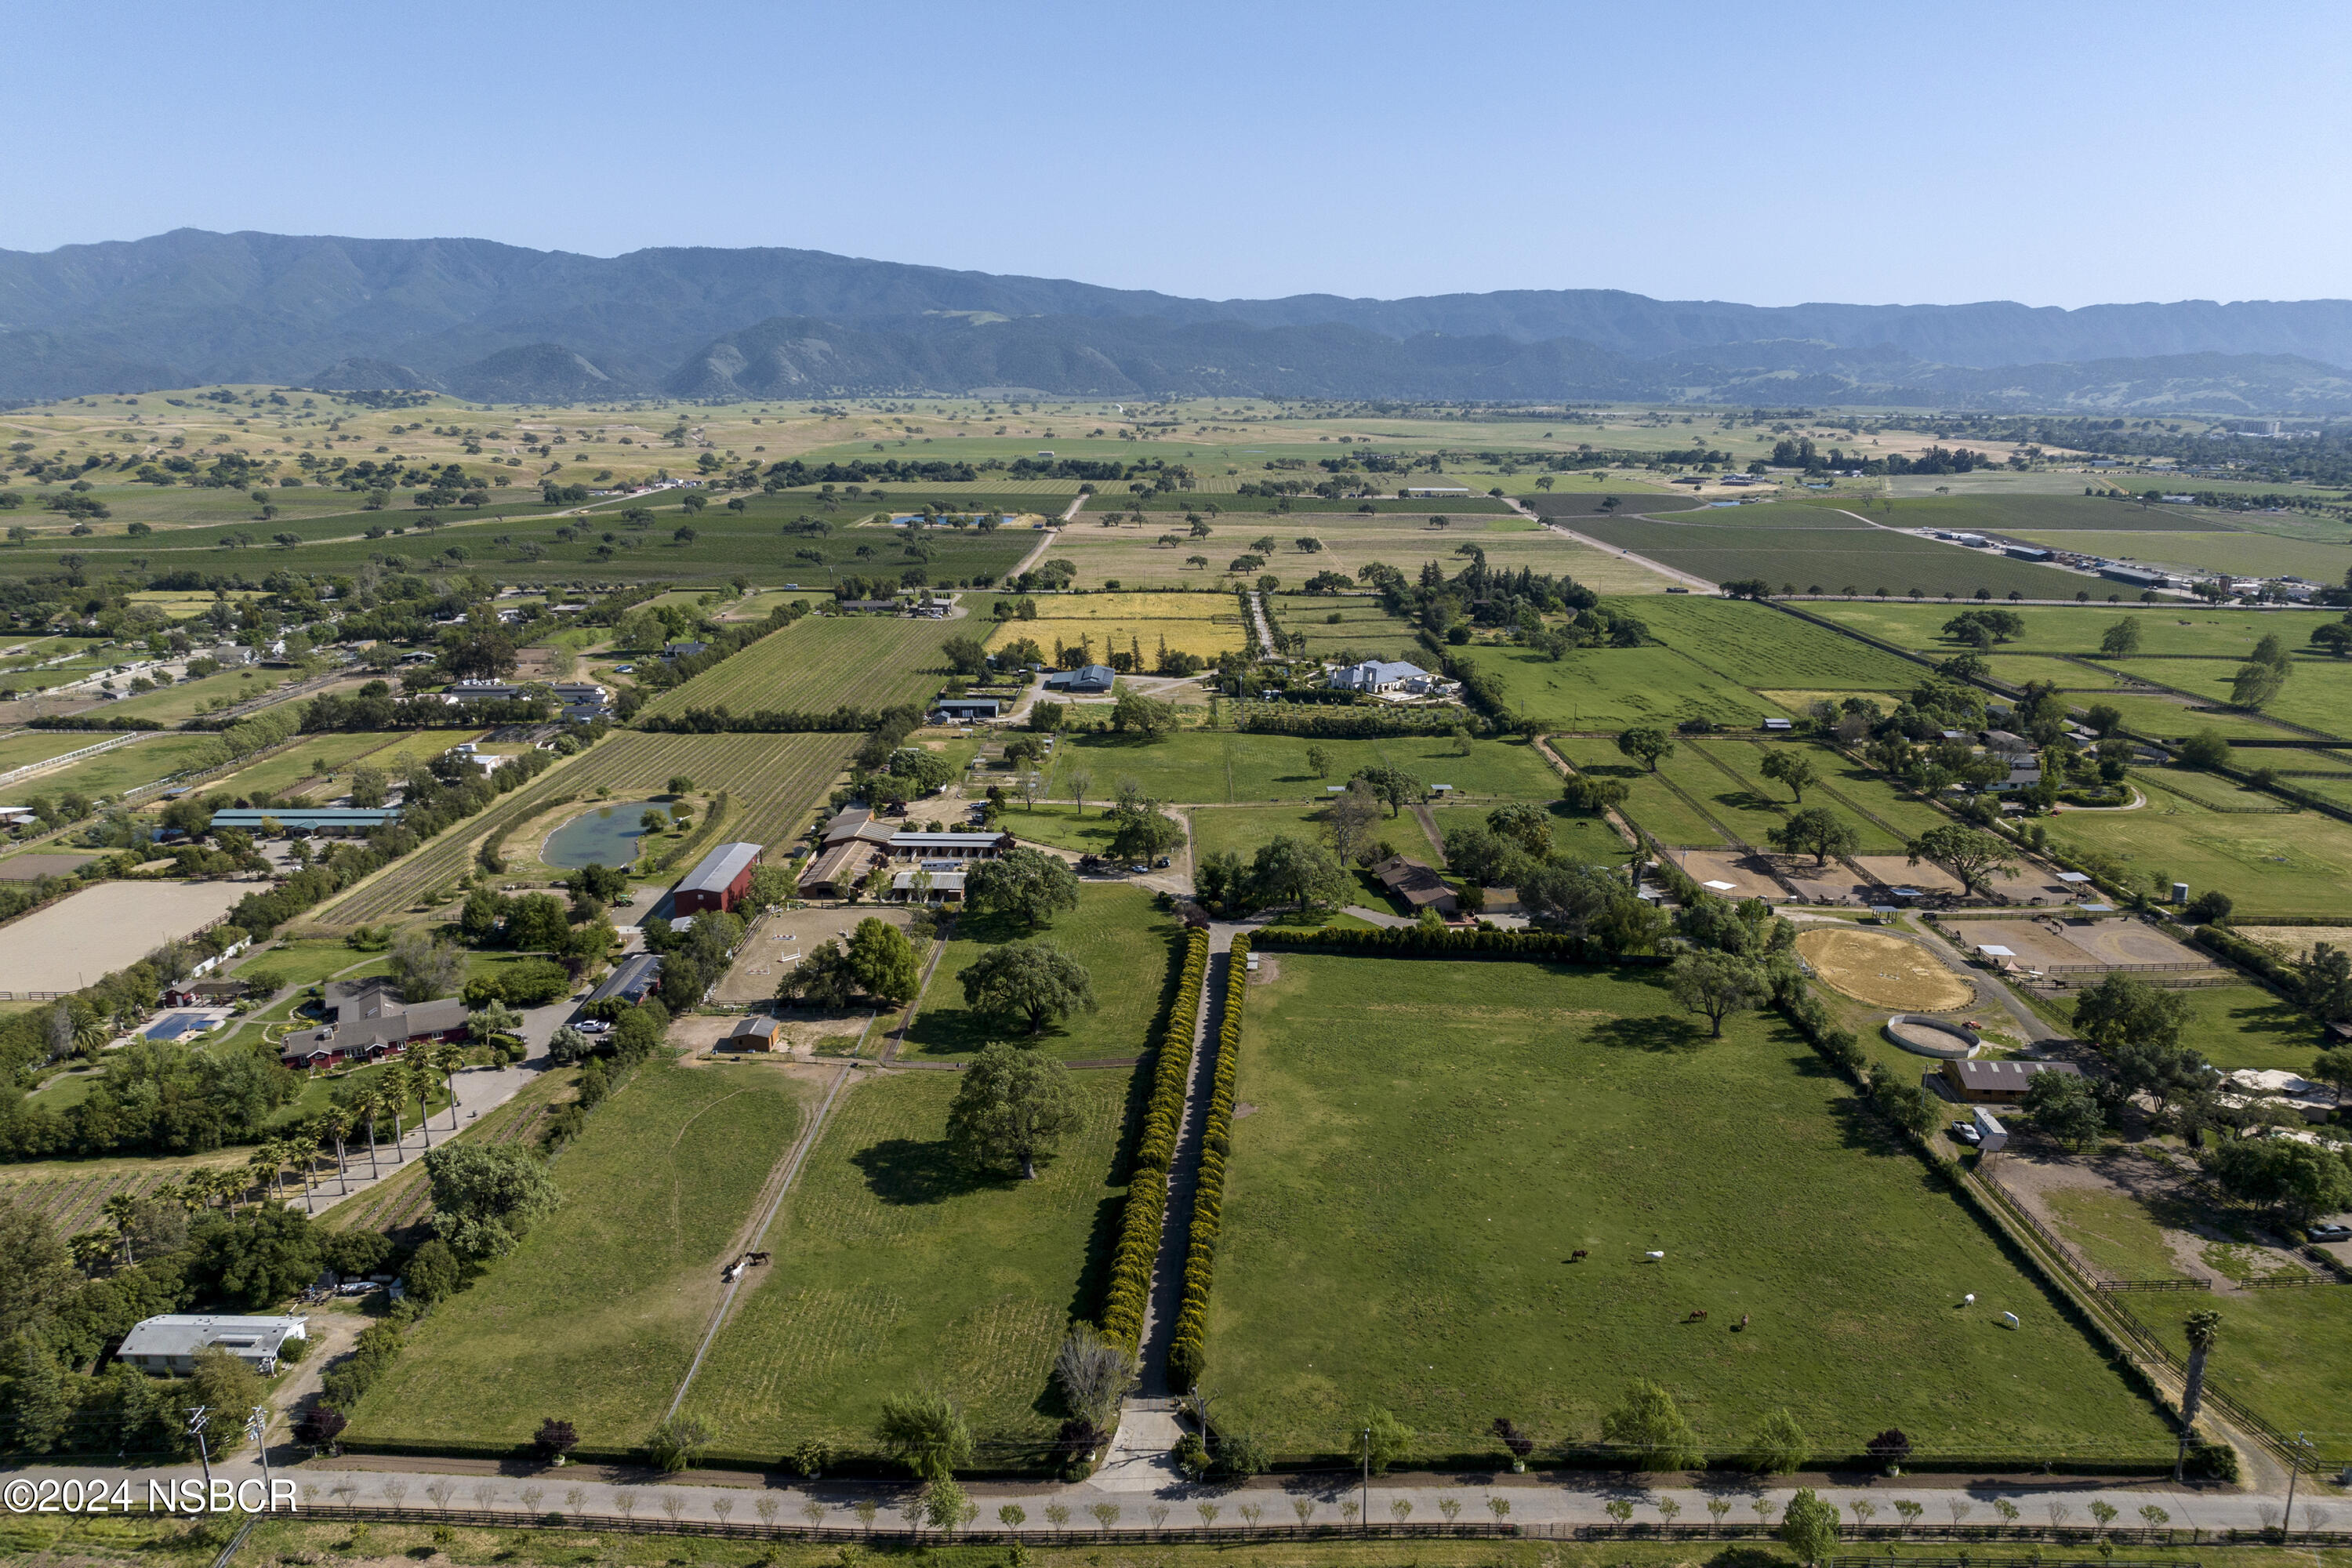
x=2293 y=1471
x=1366 y=1505
x=203 y=1450
x=257 y=1427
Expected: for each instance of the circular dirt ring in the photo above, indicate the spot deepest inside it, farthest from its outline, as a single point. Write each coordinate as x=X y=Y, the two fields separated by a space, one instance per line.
x=1884 y=971
x=1932 y=1036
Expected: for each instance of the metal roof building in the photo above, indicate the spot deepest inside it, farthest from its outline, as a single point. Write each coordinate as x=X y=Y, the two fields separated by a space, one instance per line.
x=170 y=1343
x=630 y=979
x=720 y=881
x=309 y=820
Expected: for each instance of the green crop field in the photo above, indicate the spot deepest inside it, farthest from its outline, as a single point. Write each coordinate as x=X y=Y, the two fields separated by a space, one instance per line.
x=1756 y=646
x=2295 y=865
x=2014 y=514
x=777 y=781
x=1614 y=688
x=896 y=1268
x=1821 y=550
x=595 y=1315
x=1114 y=934
x=2317 y=694
x=1363 y=629
x=2173 y=628
x=1230 y=767
x=2286 y=1355
x=1653 y=804
x=1134 y=556
x=823 y=662
x=1429 y=1143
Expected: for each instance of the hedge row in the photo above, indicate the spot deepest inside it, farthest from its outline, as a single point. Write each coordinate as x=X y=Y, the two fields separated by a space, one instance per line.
x=1187 y=1354
x=1451 y=942
x=1356 y=724
x=2266 y=961
x=1147 y=1185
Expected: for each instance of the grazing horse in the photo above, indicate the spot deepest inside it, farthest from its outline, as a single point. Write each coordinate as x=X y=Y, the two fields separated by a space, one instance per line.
x=1698 y=1315
x=1577 y=1256
x=1743 y=1322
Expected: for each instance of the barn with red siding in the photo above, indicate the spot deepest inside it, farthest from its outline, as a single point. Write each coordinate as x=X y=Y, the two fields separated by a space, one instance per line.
x=720 y=882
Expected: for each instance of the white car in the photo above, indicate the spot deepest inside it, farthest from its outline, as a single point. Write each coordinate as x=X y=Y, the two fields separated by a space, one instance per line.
x=1966 y=1133
x=594 y=1027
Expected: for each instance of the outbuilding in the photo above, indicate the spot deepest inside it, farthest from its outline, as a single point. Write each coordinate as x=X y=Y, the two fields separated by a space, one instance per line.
x=171 y=1343
x=1088 y=679
x=720 y=882
x=631 y=981
x=928 y=846
x=2000 y=1082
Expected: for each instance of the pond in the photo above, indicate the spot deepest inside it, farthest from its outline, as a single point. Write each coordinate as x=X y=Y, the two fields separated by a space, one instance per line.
x=604 y=836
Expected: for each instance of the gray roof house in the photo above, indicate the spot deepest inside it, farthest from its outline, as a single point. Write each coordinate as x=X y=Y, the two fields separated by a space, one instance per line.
x=171 y=1342
x=1095 y=678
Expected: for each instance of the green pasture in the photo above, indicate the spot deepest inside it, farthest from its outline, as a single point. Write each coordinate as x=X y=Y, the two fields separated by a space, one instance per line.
x=1346 y=629
x=1885 y=819
x=1244 y=829
x=1756 y=646
x=2317 y=694
x=2216 y=790
x=1652 y=804
x=2167 y=629
x=1994 y=513
x=1821 y=550
x=1231 y=767
x=1430 y=1142
x=1115 y=934
x=1576 y=836
x=2248 y=1026
x=822 y=662
x=596 y=1314
x=897 y=1269
x=1061 y=827
x=2017 y=669
x=110 y=772
x=2114 y=1230
x=2284 y=1354
x=22 y=748
x=2171 y=718
x=296 y=765
x=2237 y=554
x=2279 y=867
x=1614 y=688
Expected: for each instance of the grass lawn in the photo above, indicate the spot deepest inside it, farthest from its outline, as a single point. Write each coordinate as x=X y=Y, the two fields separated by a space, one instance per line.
x=2247 y=1027
x=1243 y=828
x=2284 y=1354
x=2296 y=864
x=1061 y=827
x=2017 y=669
x=595 y=1315
x=1576 y=835
x=1429 y=1141
x=1225 y=766
x=2170 y=717
x=1615 y=688
x=895 y=1268
x=26 y=747
x=2113 y=1230
x=1115 y=932
x=1662 y=813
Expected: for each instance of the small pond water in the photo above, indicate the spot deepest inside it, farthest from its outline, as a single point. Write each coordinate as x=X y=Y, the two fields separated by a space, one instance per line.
x=606 y=835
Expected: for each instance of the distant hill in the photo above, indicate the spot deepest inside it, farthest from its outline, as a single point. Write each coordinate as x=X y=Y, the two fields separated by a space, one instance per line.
x=499 y=323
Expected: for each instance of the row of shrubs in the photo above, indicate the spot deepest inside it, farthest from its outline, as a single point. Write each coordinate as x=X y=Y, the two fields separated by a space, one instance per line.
x=2249 y=955
x=1356 y=724
x=1146 y=1187
x=1187 y=1352
x=1451 y=942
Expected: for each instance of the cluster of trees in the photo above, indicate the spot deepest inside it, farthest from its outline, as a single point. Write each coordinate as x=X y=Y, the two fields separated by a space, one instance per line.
x=694 y=959
x=2259 y=679
x=879 y=963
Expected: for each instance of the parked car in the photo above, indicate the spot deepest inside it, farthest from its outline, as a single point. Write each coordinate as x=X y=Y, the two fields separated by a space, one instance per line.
x=2330 y=1231
x=1161 y=863
x=594 y=1027
x=1966 y=1133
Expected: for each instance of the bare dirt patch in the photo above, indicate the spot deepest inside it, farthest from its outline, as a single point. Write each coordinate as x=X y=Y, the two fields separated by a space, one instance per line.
x=1884 y=971
x=2132 y=942
x=27 y=867
x=2295 y=941
x=100 y=929
x=1739 y=875
x=1896 y=872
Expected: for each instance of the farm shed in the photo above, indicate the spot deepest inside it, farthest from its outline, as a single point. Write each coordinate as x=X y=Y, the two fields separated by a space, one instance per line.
x=339 y=819
x=949 y=846
x=720 y=882
x=2000 y=1082
x=630 y=979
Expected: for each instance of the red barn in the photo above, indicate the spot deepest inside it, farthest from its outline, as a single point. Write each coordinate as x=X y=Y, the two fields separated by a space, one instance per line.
x=720 y=882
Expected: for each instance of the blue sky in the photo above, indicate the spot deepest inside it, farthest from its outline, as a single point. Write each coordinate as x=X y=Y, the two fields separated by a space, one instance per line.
x=2053 y=154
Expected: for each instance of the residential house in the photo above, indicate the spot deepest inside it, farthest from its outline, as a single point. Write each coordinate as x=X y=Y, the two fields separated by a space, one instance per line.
x=1417 y=884
x=368 y=1020
x=632 y=979
x=171 y=1342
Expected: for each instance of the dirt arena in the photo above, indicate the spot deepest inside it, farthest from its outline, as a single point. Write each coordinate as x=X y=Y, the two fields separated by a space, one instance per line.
x=2297 y=941
x=2104 y=944
x=777 y=941
x=1884 y=971
x=1896 y=872
x=1748 y=874
x=100 y=929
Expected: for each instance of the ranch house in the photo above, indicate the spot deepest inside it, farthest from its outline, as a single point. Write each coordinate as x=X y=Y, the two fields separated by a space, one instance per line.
x=368 y=1021
x=170 y=1343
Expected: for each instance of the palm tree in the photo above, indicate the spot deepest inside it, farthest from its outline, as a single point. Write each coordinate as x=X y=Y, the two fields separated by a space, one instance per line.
x=370 y=1101
x=2202 y=1327
x=302 y=1152
x=90 y=1034
x=392 y=1089
x=334 y=1128
x=447 y=1059
x=118 y=1209
x=267 y=1159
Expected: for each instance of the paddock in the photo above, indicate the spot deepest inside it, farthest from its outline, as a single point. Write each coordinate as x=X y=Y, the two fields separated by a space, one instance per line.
x=102 y=928
x=1884 y=971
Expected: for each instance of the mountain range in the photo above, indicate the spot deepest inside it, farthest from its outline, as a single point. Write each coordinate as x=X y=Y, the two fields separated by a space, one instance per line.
x=497 y=322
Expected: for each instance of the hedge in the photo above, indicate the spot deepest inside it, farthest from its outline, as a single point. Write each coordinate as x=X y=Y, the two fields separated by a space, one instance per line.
x=1147 y=1188
x=2268 y=963
x=1356 y=724
x=1558 y=947
x=1186 y=1353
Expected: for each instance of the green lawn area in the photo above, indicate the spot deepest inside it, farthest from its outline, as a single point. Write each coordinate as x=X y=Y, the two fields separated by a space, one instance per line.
x=1243 y=828
x=2208 y=789
x=1615 y=688
x=2284 y=1354
x=595 y=1316
x=1575 y=835
x=895 y=1267
x=1850 y=788
x=1429 y=1140
x=2247 y=1027
x=2317 y=694
x=285 y=769
x=2169 y=719
x=26 y=747
x=186 y=699
x=1115 y=932
x=1662 y=813
x=2017 y=669
x=2291 y=865
x=2054 y=629
x=1225 y=766
x=1061 y=827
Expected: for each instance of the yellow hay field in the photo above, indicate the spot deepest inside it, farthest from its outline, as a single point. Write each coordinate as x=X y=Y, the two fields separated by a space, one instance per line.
x=1884 y=971
x=2297 y=941
x=1202 y=624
